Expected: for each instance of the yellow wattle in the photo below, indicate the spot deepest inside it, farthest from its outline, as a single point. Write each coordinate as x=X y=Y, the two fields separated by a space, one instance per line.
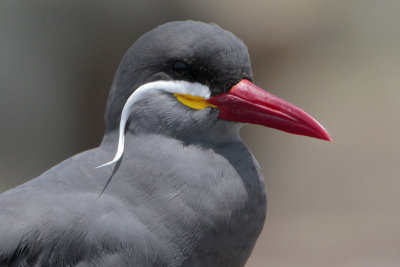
x=196 y=102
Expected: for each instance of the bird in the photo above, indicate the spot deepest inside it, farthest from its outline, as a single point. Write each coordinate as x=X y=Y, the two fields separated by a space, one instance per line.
x=172 y=183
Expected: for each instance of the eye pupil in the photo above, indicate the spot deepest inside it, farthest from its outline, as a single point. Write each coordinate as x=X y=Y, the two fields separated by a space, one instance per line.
x=179 y=68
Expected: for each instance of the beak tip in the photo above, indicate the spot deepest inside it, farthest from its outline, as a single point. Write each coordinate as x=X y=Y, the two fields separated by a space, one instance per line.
x=322 y=133
x=325 y=136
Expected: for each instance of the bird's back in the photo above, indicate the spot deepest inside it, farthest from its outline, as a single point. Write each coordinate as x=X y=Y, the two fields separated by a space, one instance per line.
x=207 y=214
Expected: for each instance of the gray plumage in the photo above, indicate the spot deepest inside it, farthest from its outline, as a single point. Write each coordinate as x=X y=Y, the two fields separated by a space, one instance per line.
x=187 y=191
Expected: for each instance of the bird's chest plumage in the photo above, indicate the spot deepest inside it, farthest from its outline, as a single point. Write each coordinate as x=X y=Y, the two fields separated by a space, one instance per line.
x=208 y=204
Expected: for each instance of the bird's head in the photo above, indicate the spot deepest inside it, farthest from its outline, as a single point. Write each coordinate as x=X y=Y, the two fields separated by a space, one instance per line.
x=185 y=78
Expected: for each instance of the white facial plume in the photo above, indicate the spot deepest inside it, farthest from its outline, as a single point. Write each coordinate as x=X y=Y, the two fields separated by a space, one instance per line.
x=174 y=87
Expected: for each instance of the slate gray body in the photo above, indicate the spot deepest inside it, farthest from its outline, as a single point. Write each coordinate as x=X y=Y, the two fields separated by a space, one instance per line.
x=150 y=215
x=187 y=193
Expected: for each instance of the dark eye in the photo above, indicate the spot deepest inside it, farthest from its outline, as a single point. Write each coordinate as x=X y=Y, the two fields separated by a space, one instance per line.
x=179 y=68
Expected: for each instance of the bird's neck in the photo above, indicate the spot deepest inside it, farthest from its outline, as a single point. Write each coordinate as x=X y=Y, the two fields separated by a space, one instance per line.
x=220 y=132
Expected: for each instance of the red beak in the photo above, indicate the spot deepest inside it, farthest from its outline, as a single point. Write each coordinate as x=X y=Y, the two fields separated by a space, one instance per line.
x=248 y=103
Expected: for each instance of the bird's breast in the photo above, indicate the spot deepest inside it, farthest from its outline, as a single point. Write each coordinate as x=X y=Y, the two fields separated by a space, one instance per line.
x=202 y=200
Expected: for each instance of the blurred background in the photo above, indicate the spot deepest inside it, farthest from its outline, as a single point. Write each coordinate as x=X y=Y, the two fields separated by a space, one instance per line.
x=330 y=204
